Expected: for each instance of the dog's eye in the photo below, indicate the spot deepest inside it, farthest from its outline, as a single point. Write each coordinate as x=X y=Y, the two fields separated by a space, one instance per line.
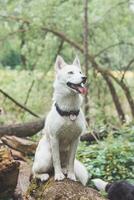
x=71 y=72
x=80 y=72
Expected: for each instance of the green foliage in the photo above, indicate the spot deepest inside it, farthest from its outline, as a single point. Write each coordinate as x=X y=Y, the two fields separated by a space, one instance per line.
x=110 y=22
x=17 y=84
x=111 y=159
x=11 y=59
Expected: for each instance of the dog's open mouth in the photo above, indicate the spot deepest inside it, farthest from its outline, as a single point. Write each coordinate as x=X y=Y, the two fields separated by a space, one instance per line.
x=78 y=87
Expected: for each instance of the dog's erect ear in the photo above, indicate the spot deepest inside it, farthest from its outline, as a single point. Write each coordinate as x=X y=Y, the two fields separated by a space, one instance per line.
x=76 y=62
x=60 y=63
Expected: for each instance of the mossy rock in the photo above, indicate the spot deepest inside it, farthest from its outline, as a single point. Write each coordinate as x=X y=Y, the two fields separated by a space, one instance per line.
x=60 y=190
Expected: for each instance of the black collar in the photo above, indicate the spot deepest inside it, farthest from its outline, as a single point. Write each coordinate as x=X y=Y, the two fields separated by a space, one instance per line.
x=66 y=113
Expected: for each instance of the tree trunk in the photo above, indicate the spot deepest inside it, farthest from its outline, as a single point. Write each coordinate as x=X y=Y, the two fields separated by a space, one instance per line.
x=90 y=137
x=22 y=44
x=86 y=101
x=9 y=170
x=61 y=190
x=115 y=98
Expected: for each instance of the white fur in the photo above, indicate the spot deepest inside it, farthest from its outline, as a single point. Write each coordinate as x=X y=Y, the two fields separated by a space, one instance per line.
x=81 y=172
x=100 y=184
x=58 y=146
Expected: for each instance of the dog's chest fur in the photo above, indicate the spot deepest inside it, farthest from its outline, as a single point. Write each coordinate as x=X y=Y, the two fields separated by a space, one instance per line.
x=63 y=127
x=69 y=130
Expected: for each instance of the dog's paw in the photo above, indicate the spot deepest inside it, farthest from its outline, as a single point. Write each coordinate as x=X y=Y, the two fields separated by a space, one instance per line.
x=44 y=177
x=59 y=176
x=71 y=176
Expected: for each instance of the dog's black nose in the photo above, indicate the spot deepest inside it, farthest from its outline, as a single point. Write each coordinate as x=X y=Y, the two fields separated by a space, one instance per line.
x=84 y=78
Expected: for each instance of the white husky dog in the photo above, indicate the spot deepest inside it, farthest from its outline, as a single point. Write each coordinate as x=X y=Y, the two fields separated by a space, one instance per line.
x=64 y=124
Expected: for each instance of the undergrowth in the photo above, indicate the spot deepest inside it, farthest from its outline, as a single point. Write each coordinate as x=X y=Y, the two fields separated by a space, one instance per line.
x=110 y=159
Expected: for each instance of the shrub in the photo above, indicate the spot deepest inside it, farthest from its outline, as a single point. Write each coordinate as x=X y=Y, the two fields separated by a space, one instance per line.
x=111 y=159
x=11 y=59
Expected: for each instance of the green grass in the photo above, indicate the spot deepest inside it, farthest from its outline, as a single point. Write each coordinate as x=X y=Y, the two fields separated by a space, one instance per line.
x=16 y=84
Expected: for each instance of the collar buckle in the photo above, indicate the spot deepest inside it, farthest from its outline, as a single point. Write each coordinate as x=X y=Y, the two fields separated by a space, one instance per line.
x=73 y=117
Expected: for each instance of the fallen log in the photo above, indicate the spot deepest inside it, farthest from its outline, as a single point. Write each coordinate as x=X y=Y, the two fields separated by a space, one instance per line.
x=23 y=180
x=31 y=128
x=90 y=137
x=25 y=146
x=61 y=190
x=17 y=155
x=22 y=130
x=9 y=170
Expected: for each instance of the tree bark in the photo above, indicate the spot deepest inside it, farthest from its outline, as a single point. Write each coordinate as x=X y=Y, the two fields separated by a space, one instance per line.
x=25 y=146
x=86 y=99
x=9 y=170
x=61 y=190
x=90 y=137
x=22 y=130
x=115 y=98
x=23 y=42
x=23 y=180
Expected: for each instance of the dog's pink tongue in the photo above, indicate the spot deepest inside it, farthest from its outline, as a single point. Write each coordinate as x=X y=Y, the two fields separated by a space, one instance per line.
x=83 y=90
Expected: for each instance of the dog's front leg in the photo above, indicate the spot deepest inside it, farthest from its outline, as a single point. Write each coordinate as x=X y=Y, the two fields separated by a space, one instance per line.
x=72 y=153
x=56 y=159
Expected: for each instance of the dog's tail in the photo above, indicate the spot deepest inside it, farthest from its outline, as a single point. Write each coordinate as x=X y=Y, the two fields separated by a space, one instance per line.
x=81 y=172
x=100 y=184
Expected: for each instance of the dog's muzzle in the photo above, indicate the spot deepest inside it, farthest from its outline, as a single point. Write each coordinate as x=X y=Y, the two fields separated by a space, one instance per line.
x=80 y=87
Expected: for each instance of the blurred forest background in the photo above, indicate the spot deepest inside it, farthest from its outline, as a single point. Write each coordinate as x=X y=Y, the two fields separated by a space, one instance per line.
x=33 y=33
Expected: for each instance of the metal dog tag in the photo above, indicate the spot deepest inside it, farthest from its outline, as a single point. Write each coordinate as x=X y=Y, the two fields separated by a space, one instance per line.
x=73 y=117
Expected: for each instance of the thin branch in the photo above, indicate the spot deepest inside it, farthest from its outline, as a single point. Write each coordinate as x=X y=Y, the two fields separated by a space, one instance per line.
x=15 y=18
x=29 y=91
x=109 y=10
x=126 y=69
x=56 y=54
x=13 y=33
x=39 y=54
x=18 y=104
x=64 y=37
x=113 y=45
x=59 y=49
x=115 y=6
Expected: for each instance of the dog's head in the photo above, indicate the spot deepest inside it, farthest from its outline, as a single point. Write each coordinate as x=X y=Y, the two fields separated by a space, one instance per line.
x=70 y=76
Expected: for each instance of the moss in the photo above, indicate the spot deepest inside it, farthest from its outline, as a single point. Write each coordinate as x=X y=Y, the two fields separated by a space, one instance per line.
x=33 y=187
x=47 y=184
x=36 y=188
